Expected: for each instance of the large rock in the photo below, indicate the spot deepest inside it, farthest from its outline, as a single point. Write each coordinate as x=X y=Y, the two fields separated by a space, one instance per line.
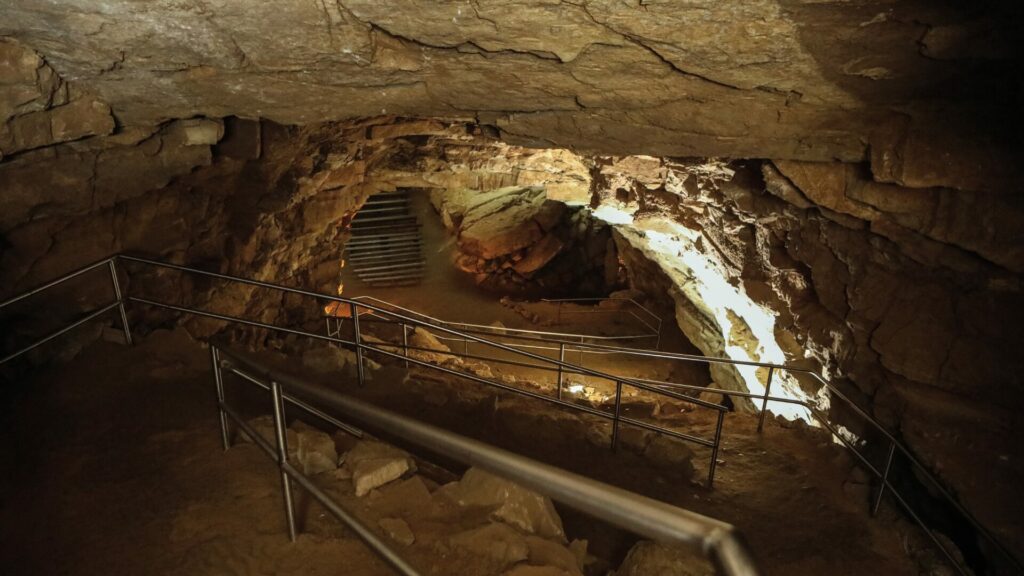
x=510 y=503
x=502 y=546
x=309 y=449
x=651 y=559
x=433 y=350
x=502 y=221
x=373 y=464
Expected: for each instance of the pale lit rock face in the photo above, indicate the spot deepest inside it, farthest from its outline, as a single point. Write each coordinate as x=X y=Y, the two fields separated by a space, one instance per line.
x=878 y=285
x=819 y=81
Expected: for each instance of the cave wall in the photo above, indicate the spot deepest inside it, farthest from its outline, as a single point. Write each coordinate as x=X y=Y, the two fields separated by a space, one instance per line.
x=909 y=299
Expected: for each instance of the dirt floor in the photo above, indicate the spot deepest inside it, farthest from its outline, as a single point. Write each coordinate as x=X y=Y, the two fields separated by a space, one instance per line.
x=113 y=462
x=113 y=465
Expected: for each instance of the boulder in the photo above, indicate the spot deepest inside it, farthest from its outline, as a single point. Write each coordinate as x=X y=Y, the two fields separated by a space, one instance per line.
x=538 y=255
x=651 y=559
x=333 y=359
x=309 y=449
x=498 y=543
x=435 y=350
x=374 y=464
x=398 y=530
x=510 y=503
x=502 y=221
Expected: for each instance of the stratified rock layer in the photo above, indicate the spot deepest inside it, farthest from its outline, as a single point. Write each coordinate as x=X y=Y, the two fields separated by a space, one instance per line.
x=910 y=86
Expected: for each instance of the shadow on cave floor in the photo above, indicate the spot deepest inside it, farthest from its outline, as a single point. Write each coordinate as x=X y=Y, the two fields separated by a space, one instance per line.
x=115 y=466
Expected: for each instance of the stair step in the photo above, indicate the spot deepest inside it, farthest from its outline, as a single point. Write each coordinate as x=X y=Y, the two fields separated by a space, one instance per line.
x=393 y=280
x=395 y=228
x=358 y=252
x=395 y=283
x=378 y=238
x=401 y=209
x=395 y=256
x=357 y=224
x=397 y=265
x=392 y=274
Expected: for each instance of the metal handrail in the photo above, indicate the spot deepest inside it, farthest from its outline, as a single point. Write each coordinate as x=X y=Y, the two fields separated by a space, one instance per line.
x=657 y=319
x=504 y=331
x=639 y=514
x=360 y=347
x=111 y=263
x=883 y=475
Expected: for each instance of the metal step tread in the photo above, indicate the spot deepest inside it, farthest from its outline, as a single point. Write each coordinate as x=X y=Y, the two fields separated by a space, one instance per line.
x=417 y=273
x=393 y=228
x=386 y=247
x=392 y=256
x=410 y=264
x=382 y=210
x=378 y=238
x=397 y=217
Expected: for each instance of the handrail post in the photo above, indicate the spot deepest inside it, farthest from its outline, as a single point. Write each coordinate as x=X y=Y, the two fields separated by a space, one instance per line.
x=120 y=300
x=561 y=358
x=405 y=343
x=764 y=405
x=714 y=449
x=218 y=379
x=282 y=457
x=358 y=342
x=885 y=479
x=618 y=413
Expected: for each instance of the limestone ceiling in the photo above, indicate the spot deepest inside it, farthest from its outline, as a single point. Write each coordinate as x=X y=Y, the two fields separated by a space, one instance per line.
x=799 y=79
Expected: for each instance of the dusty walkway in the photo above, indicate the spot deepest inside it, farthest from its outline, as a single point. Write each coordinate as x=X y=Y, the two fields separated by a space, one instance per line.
x=131 y=479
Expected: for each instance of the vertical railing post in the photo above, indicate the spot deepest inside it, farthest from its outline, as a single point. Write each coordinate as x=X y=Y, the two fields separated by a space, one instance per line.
x=618 y=414
x=405 y=343
x=359 y=344
x=885 y=478
x=120 y=301
x=714 y=449
x=280 y=432
x=561 y=358
x=764 y=404
x=218 y=379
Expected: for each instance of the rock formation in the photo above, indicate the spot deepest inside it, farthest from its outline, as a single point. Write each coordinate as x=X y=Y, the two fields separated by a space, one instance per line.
x=874 y=80
x=516 y=240
x=868 y=200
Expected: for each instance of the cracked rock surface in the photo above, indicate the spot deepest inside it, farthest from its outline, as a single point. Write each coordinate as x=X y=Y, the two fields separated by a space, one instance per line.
x=901 y=84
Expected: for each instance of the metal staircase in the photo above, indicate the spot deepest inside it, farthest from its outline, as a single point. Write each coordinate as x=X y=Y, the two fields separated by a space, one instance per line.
x=386 y=247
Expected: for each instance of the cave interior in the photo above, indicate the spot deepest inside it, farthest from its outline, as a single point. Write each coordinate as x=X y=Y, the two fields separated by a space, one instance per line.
x=756 y=263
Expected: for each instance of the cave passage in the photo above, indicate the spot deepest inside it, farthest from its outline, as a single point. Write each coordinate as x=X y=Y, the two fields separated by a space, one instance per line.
x=759 y=261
